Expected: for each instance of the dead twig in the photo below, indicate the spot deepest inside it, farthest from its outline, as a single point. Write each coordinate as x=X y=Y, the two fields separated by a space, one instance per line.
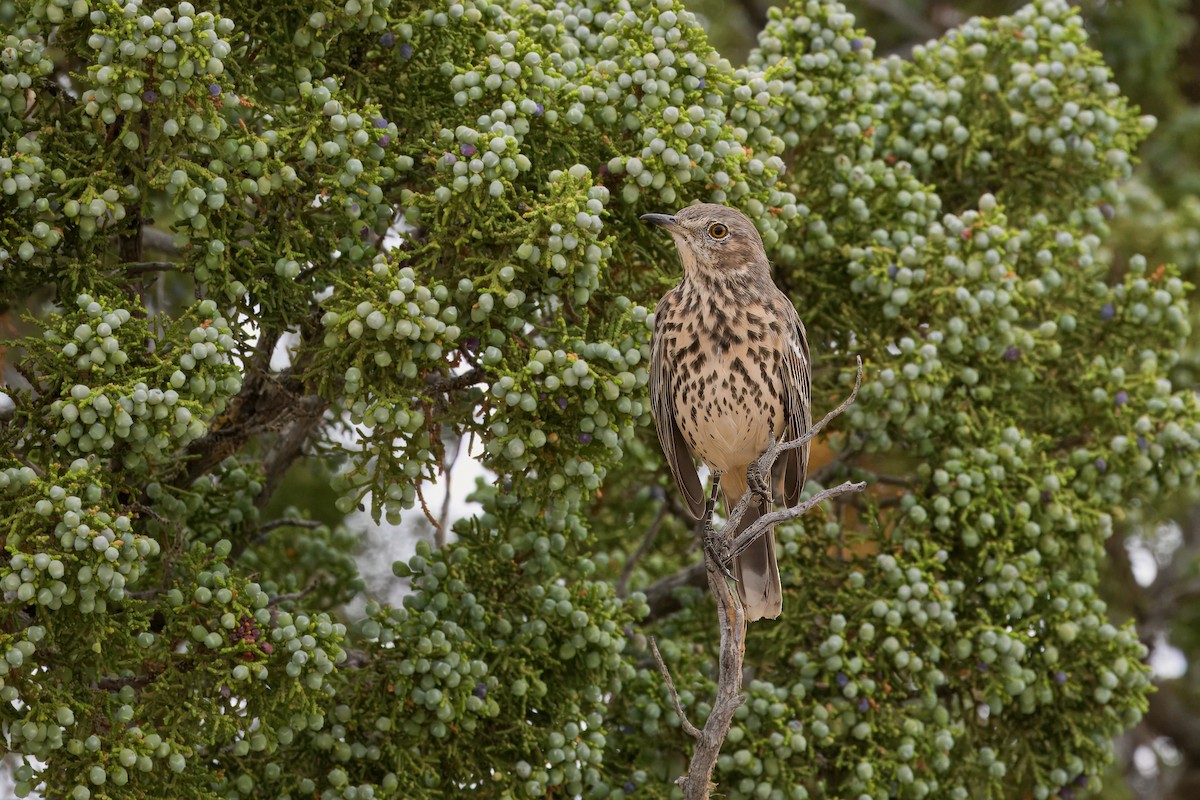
x=289 y=522
x=688 y=727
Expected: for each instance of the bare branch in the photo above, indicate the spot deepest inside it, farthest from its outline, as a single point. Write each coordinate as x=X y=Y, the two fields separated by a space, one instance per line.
x=449 y=383
x=688 y=727
x=660 y=595
x=154 y=239
x=309 y=415
x=141 y=267
x=766 y=521
x=287 y=598
x=285 y=522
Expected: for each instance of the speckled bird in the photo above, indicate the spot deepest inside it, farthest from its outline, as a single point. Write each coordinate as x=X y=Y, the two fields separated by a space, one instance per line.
x=729 y=369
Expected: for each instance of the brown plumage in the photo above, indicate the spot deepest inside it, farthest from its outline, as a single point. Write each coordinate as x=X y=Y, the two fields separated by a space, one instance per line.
x=729 y=368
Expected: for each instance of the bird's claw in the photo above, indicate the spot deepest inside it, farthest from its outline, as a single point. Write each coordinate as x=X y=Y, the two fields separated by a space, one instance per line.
x=760 y=484
x=717 y=549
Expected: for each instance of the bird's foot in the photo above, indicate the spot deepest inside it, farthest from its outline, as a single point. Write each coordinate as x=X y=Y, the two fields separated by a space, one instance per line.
x=758 y=476
x=716 y=548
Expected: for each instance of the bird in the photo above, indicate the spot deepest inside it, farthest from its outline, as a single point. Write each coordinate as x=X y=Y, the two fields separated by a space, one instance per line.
x=730 y=374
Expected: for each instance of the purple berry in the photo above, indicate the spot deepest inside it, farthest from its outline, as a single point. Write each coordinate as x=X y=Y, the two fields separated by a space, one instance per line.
x=1012 y=354
x=468 y=150
x=893 y=270
x=388 y=39
x=1108 y=211
x=406 y=50
x=863 y=704
x=541 y=109
x=703 y=83
x=562 y=403
x=384 y=140
x=449 y=159
x=1101 y=465
x=480 y=690
x=149 y=96
x=1107 y=312
x=1121 y=399
x=381 y=123
x=1143 y=444
x=842 y=679
x=214 y=89
x=1060 y=677
x=629 y=787
x=856 y=45
x=585 y=438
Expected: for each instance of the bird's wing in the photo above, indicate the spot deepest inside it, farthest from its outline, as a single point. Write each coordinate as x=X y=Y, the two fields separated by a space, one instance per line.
x=797 y=403
x=675 y=448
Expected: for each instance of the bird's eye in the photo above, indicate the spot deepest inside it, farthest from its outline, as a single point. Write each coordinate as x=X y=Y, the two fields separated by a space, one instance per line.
x=718 y=231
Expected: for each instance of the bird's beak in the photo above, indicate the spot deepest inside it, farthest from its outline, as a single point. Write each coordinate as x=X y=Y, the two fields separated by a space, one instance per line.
x=661 y=220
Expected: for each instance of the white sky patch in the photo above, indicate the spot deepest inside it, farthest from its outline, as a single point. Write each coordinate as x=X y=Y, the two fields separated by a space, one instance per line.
x=1166 y=660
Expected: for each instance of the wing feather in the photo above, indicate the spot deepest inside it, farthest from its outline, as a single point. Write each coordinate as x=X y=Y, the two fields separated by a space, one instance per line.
x=674 y=446
x=797 y=396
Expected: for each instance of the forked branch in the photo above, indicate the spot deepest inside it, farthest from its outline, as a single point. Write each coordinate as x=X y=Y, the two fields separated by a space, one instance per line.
x=697 y=783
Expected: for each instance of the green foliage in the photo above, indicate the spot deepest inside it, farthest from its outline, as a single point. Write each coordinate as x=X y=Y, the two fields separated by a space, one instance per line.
x=941 y=217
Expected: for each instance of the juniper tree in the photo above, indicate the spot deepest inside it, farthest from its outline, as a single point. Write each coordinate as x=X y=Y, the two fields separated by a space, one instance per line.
x=437 y=203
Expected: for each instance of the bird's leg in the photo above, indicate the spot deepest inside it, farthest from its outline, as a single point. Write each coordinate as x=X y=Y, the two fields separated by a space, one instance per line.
x=716 y=547
x=758 y=476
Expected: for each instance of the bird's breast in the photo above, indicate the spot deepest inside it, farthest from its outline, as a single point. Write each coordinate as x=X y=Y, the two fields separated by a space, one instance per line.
x=727 y=389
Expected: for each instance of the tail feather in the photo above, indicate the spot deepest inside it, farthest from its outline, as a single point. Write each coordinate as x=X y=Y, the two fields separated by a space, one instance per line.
x=756 y=570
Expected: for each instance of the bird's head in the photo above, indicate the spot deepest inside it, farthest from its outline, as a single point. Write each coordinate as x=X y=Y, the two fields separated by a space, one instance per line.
x=715 y=241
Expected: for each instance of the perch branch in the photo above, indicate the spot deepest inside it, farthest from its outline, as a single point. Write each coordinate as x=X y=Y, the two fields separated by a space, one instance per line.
x=697 y=782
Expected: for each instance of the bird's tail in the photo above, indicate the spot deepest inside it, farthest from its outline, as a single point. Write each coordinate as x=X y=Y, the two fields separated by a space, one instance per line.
x=756 y=570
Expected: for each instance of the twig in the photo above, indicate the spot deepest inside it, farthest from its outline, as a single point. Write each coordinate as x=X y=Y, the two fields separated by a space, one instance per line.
x=631 y=563
x=766 y=521
x=437 y=529
x=287 y=598
x=449 y=383
x=661 y=596
x=688 y=727
x=162 y=241
x=141 y=267
x=283 y=522
x=308 y=414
